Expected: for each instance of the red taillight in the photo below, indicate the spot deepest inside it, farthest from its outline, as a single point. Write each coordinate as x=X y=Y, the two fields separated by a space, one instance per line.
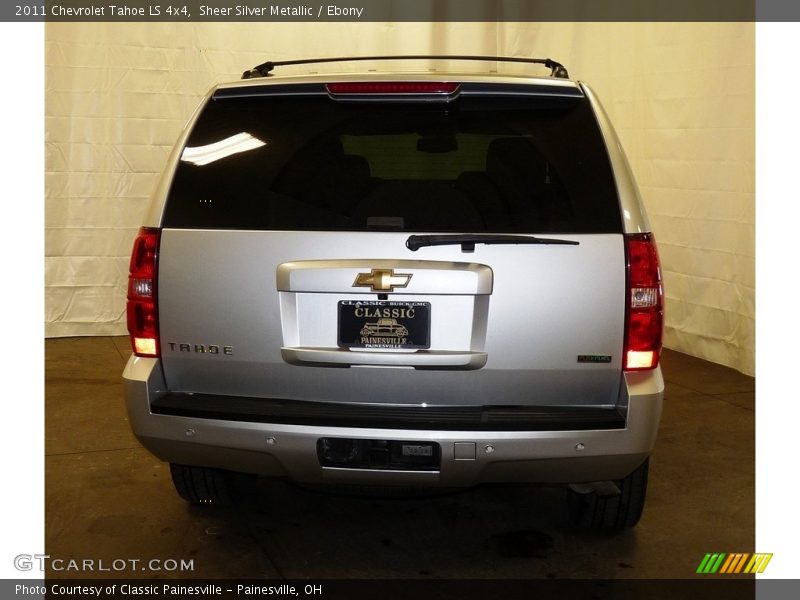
x=391 y=87
x=645 y=304
x=142 y=308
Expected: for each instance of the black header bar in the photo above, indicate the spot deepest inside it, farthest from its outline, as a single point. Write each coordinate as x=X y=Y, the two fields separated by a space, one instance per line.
x=400 y=10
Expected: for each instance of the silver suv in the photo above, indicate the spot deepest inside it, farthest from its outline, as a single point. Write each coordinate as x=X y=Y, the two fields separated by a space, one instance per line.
x=399 y=279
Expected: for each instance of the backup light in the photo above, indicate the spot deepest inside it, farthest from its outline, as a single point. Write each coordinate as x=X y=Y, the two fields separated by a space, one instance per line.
x=142 y=287
x=643 y=297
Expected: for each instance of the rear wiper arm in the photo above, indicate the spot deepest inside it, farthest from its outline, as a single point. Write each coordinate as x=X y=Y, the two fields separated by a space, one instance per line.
x=415 y=242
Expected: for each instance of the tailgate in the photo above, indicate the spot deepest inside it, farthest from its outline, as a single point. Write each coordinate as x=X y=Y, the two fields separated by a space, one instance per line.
x=514 y=325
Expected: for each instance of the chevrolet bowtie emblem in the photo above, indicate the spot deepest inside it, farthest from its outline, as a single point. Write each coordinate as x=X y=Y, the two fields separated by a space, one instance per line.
x=382 y=280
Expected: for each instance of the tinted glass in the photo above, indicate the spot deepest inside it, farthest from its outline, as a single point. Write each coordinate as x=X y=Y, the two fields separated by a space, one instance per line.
x=479 y=164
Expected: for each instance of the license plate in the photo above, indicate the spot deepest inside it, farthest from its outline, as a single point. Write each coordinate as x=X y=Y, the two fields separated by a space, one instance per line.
x=384 y=324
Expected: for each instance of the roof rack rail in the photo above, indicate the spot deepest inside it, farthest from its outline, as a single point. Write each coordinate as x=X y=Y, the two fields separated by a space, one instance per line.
x=264 y=69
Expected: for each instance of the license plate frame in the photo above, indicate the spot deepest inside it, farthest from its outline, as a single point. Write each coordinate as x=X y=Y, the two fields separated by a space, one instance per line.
x=384 y=324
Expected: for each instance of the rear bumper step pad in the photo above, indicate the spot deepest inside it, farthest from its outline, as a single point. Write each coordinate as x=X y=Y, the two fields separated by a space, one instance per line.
x=447 y=418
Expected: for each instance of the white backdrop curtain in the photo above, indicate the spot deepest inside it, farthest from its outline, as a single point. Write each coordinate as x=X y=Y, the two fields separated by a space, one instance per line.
x=681 y=96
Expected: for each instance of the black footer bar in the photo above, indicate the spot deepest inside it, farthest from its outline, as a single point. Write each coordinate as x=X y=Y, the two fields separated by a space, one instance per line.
x=731 y=588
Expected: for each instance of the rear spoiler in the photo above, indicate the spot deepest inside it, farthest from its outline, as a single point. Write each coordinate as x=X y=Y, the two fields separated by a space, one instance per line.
x=466 y=89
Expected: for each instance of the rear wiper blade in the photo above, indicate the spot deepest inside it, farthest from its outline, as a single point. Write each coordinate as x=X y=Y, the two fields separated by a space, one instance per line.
x=415 y=242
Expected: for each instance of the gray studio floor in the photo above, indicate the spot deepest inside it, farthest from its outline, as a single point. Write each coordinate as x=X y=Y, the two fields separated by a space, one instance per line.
x=107 y=498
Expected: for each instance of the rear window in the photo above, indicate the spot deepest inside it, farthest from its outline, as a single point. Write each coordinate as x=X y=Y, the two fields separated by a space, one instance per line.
x=477 y=164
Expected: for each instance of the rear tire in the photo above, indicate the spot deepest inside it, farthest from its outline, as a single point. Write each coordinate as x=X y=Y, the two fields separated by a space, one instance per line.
x=611 y=513
x=203 y=485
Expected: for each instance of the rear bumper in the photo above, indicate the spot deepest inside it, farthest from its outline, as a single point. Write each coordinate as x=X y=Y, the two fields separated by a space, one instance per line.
x=467 y=457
